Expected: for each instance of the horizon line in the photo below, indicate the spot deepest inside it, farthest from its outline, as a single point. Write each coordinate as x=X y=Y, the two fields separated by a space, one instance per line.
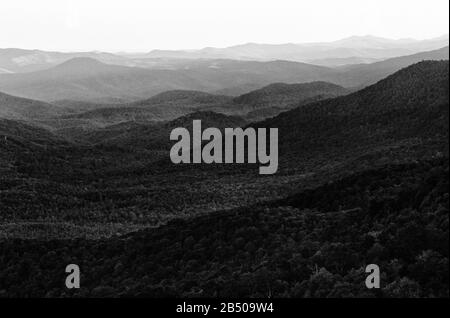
x=132 y=51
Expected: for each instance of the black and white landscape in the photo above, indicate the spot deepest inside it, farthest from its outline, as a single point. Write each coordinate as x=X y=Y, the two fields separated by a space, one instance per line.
x=86 y=177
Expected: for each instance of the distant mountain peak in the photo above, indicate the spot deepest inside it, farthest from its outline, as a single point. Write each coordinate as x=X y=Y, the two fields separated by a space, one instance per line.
x=81 y=62
x=363 y=37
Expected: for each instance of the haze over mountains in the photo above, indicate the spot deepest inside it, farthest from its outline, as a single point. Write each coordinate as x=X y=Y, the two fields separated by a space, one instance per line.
x=94 y=96
x=86 y=79
x=18 y=108
x=266 y=102
x=363 y=177
x=82 y=94
x=403 y=118
x=355 y=49
x=14 y=60
x=414 y=101
x=370 y=73
x=220 y=157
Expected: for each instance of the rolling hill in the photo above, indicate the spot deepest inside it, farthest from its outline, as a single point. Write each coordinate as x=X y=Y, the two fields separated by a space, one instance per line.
x=154 y=135
x=86 y=79
x=356 y=49
x=12 y=107
x=314 y=244
x=169 y=105
x=283 y=95
x=121 y=178
x=370 y=47
x=161 y=107
x=20 y=140
x=367 y=74
x=408 y=107
x=21 y=61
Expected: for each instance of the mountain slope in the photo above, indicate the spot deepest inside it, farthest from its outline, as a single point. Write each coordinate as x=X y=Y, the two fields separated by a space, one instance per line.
x=266 y=102
x=165 y=106
x=155 y=136
x=367 y=74
x=353 y=47
x=20 y=61
x=126 y=181
x=19 y=140
x=345 y=51
x=87 y=79
x=13 y=107
x=282 y=95
x=409 y=106
x=315 y=244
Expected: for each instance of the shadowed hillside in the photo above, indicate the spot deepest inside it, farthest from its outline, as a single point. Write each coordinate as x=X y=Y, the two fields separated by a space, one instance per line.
x=314 y=247
x=124 y=180
x=13 y=107
x=410 y=105
x=256 y=105
x=366 y=74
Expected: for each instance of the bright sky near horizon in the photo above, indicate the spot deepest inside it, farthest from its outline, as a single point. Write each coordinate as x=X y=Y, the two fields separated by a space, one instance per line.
x=143 y=25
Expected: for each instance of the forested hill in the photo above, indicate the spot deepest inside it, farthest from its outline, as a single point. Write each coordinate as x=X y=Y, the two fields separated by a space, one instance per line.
x=412 y=103
x=281 y=94
x=18 y=108
x=315 y=244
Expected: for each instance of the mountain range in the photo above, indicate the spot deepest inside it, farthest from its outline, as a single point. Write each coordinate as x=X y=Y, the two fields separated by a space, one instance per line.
x=18 y=108
x=108 y=174
x=362 y=178
x=351 y=50
x=89 y=80
x=369 y=47
x=410 y=103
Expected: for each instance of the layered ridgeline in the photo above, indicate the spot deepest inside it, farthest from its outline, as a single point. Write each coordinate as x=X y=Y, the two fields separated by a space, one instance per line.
x=19 y=140
x=21 y=61
x=259 y=104
x=13 y=107
x=407 y=111
x=154 y=135
x=366 y=74
x=71 y=119
x=348 y=50
x=363 y=179
x=86 y=79
x=164 y=106
x=276 y=98
x=316 y=243
x=121 y=178
x=356 y=49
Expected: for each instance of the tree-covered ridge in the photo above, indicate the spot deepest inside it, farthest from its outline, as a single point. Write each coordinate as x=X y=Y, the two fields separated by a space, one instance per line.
x=284 y=95
x=314 y=244
x=124 y=180
x=410 y=105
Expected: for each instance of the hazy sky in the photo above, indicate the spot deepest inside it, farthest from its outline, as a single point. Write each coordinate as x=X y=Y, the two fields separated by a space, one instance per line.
x=142 y=25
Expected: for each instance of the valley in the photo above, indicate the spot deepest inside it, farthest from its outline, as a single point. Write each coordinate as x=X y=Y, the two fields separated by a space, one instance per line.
x=121 y=176
x=362 y=177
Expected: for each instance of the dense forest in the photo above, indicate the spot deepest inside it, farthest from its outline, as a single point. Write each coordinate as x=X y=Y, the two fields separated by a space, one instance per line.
x=314 y=244
x=362 y=179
